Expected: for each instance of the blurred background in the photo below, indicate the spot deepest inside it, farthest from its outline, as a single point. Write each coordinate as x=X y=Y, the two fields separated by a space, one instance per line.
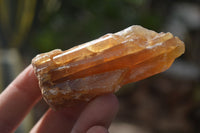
x=166 y=103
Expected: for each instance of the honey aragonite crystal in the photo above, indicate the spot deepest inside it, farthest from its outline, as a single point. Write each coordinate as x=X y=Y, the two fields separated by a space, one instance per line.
x=104 y=65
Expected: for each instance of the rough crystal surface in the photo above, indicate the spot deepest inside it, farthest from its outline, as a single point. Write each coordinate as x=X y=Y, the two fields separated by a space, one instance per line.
x=104 y=65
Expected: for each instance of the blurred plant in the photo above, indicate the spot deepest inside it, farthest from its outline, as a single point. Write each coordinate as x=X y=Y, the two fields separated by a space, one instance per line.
x=70 y=23
x=16 y=18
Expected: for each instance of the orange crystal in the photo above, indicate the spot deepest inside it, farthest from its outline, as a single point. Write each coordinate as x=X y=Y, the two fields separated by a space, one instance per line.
x=104 y=65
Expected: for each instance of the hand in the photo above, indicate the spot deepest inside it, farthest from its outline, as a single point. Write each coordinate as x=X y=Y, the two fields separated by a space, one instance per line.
x=23 y=93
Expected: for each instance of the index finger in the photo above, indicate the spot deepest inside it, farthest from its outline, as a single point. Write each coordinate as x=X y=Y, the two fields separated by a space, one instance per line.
x=17 y=99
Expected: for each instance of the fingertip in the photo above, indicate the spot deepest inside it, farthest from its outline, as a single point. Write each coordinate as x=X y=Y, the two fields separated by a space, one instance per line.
x=110 y=100
x=113 y=100
x=18 y=99
x=100 y=111
x=97 y=129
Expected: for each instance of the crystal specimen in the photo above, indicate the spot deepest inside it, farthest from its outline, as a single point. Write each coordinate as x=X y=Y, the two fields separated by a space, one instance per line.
x=104 y=65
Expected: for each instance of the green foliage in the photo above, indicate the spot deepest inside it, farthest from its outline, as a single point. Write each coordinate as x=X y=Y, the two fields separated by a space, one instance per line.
x=15 y=24
x=46 y=40
x=77 y=21
x=63 y=24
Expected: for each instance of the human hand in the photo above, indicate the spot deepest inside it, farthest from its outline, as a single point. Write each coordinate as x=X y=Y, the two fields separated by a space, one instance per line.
x=23 y=93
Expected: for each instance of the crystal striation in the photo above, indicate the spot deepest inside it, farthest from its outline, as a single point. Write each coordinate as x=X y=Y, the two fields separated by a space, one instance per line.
x=104 y=65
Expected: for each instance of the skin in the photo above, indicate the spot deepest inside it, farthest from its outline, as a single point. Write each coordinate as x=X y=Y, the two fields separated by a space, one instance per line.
x=23 y=93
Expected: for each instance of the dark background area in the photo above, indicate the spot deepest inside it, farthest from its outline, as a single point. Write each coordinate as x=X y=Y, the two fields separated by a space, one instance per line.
x=166 y=103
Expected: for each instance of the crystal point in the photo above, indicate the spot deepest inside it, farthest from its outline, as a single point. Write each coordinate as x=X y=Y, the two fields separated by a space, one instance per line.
x=104 y=65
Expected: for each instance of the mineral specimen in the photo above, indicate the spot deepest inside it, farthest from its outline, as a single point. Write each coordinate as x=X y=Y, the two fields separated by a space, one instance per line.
x=104 y=65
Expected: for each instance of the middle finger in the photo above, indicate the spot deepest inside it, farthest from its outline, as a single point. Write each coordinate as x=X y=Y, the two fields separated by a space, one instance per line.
x=58 y=121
